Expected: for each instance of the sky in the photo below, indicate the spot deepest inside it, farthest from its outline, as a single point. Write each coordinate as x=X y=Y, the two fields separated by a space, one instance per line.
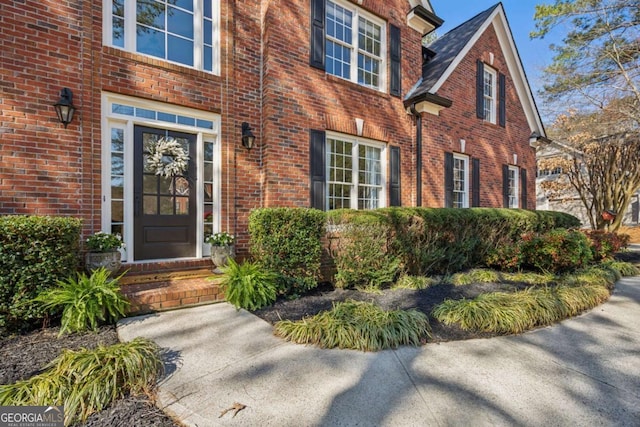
x=535 y=54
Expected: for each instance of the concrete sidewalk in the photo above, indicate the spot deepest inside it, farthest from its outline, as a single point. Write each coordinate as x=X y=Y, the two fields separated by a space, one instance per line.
x=582 y=372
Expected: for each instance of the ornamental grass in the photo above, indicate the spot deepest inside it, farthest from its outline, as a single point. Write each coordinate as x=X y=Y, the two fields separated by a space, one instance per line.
x=512 y=313
x=87 y=381
x=359 y=326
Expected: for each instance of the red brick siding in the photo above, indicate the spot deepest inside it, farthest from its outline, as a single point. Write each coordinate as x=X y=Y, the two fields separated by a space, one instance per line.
x=492 y=144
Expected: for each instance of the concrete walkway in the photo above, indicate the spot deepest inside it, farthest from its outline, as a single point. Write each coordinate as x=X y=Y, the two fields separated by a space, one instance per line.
x=582 y=372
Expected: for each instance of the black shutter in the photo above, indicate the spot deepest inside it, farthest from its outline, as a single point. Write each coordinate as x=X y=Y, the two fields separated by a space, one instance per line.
x=505 y=186
x=480 y=90
x=502 y=106
x=317 y=34
x=475 y=183
x=394 y=182
x=395 y=57
x=523 y=188
x=448 y=180
x=317 y=159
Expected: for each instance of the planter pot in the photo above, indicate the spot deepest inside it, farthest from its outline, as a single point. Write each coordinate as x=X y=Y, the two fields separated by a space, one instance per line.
x=109 y=260
x=220 y=255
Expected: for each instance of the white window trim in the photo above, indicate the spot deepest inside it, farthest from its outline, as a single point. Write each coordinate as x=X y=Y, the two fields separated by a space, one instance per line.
x=516 y=185
x=465 y=159
x=355 y=48
x=492 y=95
x=356 y=141
x=130 y=31
x=127 y=123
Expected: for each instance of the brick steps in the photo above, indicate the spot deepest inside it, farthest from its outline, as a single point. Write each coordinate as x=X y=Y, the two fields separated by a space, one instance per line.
x=170 y=289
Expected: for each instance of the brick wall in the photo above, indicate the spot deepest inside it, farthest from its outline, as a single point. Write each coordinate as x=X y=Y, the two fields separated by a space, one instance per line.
x=42 y=164
x=298 y=98
x=491 y=143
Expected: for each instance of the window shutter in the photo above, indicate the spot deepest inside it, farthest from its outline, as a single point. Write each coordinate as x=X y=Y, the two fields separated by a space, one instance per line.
x=394 y=187
x=502 y=95
x=395 y=57
x=448 y=180
x=505 y=186
x=475 y=183
x=523 y=188
x=480 y=90
x=317 y=159
x=317 y=34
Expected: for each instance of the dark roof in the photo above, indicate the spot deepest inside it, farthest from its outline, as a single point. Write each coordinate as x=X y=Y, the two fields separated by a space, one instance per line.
x=447 y=48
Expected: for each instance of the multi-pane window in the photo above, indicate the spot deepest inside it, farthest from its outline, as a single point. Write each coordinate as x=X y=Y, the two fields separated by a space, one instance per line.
x=117 y=180
x=180 y=31
x=355 y=174
x=489 y=94
x=513 y=180
x=460 y=182
x=354 y=45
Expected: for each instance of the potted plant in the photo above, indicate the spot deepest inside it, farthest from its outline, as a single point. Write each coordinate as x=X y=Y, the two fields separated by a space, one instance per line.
x=222 y=248
x=103 y=251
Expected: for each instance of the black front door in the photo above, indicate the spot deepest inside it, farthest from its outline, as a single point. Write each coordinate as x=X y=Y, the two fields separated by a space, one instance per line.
x=164 y=207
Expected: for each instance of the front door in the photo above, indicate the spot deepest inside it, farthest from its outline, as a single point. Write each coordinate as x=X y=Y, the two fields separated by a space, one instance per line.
x=164 y=206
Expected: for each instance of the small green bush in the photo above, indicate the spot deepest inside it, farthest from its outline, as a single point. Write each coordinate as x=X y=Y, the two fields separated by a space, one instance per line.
x=508 y=257
x=87 y=381
x=35 y=252
x=556 y=250
x=362 y=256
x=604 y=244
x=358 y=326
x=85 y=301
x=248 y=285
x=288 y=241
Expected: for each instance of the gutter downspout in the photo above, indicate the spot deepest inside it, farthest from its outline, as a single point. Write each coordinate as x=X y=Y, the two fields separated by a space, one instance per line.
x=418 y=117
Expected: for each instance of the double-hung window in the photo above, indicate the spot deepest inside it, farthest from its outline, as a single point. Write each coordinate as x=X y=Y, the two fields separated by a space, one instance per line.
x=513 y=188
x=355 y=43
x=460 y=181
x=185 y=32
x=355 y=173
x=489 y=95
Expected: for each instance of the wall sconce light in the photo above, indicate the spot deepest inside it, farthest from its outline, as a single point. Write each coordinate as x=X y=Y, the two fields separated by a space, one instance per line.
x=64 y=107
x=248 y=138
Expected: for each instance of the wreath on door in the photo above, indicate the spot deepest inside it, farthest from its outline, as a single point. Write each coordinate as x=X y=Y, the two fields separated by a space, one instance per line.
x=167 y=157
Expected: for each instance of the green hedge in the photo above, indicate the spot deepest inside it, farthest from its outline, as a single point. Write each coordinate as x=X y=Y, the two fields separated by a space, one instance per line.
x=423 y=241
x=35 y=252
x=288 y=241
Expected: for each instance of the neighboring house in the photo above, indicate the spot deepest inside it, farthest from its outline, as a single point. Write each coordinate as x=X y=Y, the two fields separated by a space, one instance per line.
x=347 y=109
x=570 y=202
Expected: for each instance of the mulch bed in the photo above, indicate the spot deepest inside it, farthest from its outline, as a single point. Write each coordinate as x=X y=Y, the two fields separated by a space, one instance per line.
x=25 y=355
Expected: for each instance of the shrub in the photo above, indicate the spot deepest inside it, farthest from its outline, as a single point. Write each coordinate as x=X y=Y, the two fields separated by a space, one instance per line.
x=358 y=326
x=85 y=301
x=507 y=257
x=362 y=256
x=87 y=381
x=248 y=285
x=604 y=244
x=427 y=241
x=35 y=252
x=557 y=250
x=288 y=241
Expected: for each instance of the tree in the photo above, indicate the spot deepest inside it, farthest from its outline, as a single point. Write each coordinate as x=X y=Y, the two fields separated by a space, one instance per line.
x=599 y=161
x=599 y=59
